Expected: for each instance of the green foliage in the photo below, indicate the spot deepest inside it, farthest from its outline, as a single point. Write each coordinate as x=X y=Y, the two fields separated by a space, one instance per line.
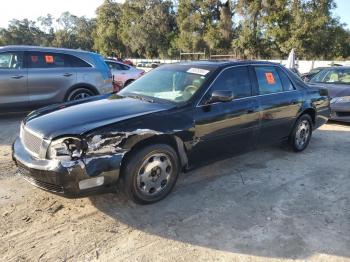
x=146 y=27
x=164 y=28
x=107 y=40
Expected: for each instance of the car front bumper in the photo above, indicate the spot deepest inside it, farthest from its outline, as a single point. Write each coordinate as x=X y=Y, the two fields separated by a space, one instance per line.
x=340 y=112
x=76 y=178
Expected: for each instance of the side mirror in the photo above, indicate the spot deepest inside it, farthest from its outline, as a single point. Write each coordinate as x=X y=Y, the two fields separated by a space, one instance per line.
x=221 y=96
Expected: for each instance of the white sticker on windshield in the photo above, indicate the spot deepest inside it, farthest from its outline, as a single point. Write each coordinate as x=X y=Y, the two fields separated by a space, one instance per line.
x=198 y=71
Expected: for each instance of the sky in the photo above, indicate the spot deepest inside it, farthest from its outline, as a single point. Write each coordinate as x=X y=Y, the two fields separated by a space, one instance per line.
x=32 y=9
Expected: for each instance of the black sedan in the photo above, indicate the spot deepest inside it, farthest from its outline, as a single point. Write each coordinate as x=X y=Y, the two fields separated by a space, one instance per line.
x=168 y=121
x=337 y=81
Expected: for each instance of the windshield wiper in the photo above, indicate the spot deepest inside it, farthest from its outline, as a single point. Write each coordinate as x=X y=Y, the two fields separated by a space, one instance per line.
x=142 y=98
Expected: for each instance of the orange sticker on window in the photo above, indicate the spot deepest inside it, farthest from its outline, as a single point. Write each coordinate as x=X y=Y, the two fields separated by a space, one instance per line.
x=270 y=79
x=34 y=58
x=49 y=59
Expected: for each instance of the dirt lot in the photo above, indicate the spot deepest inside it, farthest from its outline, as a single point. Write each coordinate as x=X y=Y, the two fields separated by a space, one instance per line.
x=266 y=205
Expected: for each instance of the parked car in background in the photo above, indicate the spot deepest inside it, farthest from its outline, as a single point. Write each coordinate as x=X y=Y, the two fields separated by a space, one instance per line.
x=173 y=118
x=32 y=77
x=307 y=76
x=123 y=74
x=337 y=81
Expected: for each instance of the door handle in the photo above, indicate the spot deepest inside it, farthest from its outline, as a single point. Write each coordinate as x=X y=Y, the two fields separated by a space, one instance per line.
x=17 y=77
x=67 y=74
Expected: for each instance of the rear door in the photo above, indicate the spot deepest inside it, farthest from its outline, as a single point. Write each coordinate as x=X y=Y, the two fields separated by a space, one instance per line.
x=279 y=103
x=227 y=127
x=50 y=75
x=13 y=82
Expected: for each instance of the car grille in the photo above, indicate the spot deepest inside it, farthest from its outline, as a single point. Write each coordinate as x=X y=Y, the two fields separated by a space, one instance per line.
x=31 y=141
x=44 y=185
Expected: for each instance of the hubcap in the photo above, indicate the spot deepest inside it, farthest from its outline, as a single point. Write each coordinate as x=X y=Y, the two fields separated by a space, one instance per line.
x=81 y=96
x=154 y=174
x=303 y=133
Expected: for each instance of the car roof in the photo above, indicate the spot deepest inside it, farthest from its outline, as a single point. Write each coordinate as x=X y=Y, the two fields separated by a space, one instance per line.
x=41 y=48
x=114 y=61
x=226 y=63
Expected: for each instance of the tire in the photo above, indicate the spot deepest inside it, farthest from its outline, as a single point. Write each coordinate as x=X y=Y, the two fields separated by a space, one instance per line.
x=150 y=174
x=79 y=93
x=128 y=82
x=301 y=134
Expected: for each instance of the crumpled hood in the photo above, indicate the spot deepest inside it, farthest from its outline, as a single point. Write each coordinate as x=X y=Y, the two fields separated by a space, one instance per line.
x=77 y=117
x=334 y=90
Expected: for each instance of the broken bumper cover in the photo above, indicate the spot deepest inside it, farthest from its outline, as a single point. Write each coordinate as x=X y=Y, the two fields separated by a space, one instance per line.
x=74 y=178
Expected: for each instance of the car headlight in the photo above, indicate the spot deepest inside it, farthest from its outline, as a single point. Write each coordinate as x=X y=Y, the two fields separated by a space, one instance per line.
x=343 y=99
x=67 y=148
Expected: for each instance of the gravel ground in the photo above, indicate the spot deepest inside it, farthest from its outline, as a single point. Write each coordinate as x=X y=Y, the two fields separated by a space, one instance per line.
x=267 y=205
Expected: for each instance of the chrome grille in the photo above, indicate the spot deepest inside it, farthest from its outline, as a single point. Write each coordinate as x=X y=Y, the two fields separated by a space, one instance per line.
x=31 y=141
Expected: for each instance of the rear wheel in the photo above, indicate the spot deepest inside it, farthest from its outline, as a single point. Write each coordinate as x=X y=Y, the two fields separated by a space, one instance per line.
x=79 y=93
x=301 y=135
x=150 y=173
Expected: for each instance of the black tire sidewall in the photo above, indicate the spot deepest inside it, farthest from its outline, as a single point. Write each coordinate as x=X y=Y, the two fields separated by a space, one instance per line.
x=293 y=135
x=134 y=163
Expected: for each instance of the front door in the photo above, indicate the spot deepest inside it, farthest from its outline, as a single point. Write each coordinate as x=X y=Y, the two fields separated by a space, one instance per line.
x=13 y=82
x=226 y=127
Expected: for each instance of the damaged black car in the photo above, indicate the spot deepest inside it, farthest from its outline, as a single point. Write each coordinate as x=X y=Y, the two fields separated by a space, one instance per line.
x=171 y=119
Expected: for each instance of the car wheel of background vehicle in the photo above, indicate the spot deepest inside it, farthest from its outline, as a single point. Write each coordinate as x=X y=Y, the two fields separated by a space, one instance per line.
x=80 y=93
x=128 y=82
x=301 y=135
x=150 y=174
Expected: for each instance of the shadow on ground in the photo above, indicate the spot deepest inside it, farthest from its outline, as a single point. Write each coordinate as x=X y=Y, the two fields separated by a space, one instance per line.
x=270 y=202
x=9 y=127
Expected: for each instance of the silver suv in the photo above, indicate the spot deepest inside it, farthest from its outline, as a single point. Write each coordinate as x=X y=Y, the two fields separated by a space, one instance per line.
x=32 y=77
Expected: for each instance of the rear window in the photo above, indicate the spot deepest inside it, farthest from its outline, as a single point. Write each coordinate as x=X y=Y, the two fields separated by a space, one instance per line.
x=268 y=80
x=77 y=62
x=117 y=66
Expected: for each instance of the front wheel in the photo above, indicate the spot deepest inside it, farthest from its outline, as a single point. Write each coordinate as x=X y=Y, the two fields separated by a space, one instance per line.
x=301 y=134
x=150 y=174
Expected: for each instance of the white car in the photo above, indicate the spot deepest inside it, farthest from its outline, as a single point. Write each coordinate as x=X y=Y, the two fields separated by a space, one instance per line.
x=123 y=74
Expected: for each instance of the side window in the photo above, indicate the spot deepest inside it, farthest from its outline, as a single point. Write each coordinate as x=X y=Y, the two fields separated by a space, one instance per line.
x=11 y=60
x=287 y=84
x=77 y=62
x=114 y=66
x=235 y=79
x=47 y=60
x=268 y=80
x=124 y=67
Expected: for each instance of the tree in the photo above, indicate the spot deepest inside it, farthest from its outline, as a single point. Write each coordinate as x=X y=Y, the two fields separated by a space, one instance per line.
x=22 y=32
x=251 y=42
x=75 y=32
x=147 y=27
x=107 y=40
x=191 y=26
x=46 y=25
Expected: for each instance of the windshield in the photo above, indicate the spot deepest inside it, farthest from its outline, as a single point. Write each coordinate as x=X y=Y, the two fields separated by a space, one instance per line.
x=174 y=83
x=336 y=76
